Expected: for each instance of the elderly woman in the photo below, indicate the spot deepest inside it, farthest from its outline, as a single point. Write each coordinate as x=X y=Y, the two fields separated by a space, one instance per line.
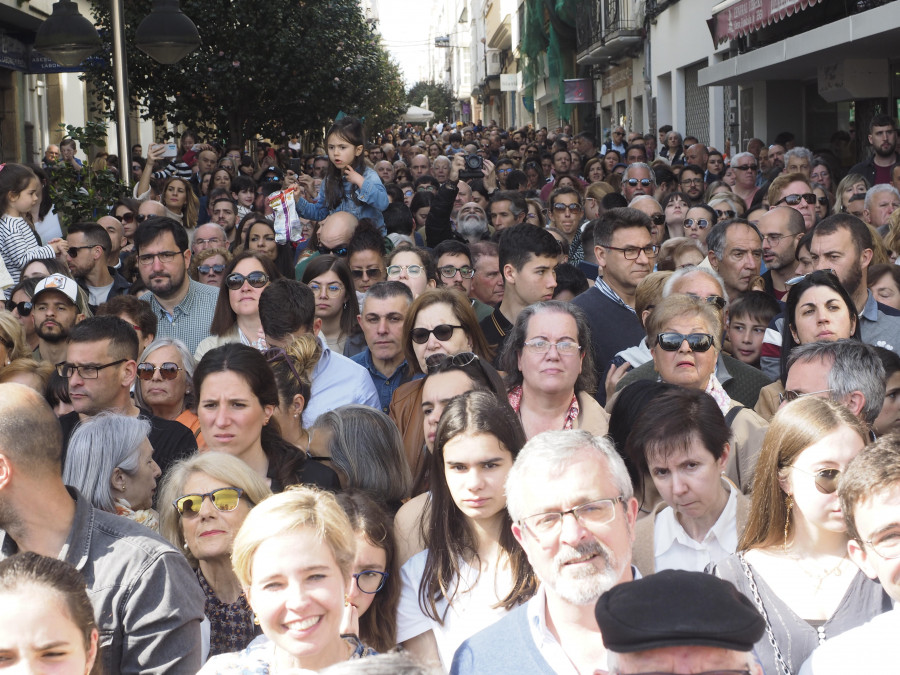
x=164 y=386
x=440 y=322
x=550 y=370
x=110 y=461
x=364 y=448
x=208 y=266
x=293 y=556
x=685 y=339
x=27 y=371
x=203 y=501
x=681 y=441
x=792 y=560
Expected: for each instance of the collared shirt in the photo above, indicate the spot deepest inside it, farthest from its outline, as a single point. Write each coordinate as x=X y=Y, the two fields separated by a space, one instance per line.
x=722 y=399
x=605 y=288
x=146 y=599
x=674 y=549
x=879 y=325
x=337 y=381
x=384 y=385
x=191 y=318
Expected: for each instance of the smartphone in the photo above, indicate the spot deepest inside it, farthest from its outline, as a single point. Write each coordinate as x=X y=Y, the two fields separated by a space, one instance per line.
x=296 y=165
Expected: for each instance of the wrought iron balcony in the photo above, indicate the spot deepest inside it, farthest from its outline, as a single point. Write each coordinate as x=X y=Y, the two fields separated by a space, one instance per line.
x=605 y=29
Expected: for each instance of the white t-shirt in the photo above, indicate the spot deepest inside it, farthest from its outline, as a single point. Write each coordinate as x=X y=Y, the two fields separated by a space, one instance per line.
x=98 y=294
x=472 y=609
x=870 y=648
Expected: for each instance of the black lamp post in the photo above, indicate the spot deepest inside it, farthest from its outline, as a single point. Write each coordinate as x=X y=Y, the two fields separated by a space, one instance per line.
x=166 y=35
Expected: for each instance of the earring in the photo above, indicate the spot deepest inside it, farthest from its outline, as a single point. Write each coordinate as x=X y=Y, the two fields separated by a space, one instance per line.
x=788 y=505
x=255 y=620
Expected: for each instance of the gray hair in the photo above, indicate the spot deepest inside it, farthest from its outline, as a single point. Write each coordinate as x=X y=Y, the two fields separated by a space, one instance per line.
x=219 y=229
x=387 y=289
x=715 y=240
x=799 y=152
x=742 y=156
x=367 y=448
x=392 y=663
x=442 y=159
x=855 y=367
x=690 y=271
x=639 y=165
x=187 y=362
x=105 y=442
x=638 y=198
x=550 y=453
x=881 y=187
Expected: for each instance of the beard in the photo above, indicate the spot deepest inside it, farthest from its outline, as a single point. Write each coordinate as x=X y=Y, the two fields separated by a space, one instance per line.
x=167 y=285
x=854 y=279
x=472 y=227
x=584 y=584
x=61 y=334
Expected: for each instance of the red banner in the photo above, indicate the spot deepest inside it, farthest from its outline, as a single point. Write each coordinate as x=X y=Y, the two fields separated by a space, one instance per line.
x=741 y=17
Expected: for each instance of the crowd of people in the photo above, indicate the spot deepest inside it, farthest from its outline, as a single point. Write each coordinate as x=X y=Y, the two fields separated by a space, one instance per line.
x=347 y=439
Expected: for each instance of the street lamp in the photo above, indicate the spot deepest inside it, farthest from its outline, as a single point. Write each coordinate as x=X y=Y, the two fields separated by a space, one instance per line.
x=166 y=35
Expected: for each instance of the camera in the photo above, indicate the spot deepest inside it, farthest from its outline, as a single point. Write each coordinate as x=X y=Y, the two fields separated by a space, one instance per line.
x=474 y=167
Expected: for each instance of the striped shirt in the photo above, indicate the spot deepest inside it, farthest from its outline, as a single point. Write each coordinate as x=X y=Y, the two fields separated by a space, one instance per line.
x=604 y=288
x=19 y=246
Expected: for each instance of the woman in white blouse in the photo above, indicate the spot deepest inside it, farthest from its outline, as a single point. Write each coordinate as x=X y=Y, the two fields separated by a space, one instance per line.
x=682 y=441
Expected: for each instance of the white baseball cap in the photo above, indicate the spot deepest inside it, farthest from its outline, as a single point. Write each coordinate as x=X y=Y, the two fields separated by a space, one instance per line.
x=57 y=282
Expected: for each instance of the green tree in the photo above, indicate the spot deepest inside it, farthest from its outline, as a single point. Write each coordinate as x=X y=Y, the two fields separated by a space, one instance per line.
x=272 y=68
x=440 y=98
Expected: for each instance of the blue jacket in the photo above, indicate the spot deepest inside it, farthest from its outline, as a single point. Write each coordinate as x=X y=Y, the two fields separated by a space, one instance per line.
x=371 y=199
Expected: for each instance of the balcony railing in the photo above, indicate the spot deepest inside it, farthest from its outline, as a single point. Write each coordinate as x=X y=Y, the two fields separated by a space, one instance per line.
x=603 y=21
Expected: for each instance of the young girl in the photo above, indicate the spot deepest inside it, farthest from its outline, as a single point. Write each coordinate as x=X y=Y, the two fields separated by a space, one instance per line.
x=349 y=184
x=20 y=191
x=473 y=571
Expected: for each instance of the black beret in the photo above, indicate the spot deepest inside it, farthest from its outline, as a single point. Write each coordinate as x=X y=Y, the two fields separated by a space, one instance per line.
x=674 y=608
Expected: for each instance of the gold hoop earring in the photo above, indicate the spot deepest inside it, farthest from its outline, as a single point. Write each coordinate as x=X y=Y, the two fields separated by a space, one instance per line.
x=255 y=620
x=788 y=505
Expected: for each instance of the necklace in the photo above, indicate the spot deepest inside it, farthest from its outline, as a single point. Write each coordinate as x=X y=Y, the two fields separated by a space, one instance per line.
x=820 y=575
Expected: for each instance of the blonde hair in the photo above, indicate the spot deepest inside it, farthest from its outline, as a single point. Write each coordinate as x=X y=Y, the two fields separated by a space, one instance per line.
x=11 y=331
x=677 y=305
x=892 y=238
x=28 y=366
x=218 y=465
x=191 y=204
x=794 y=428
x=299 y=506
x=649 y=291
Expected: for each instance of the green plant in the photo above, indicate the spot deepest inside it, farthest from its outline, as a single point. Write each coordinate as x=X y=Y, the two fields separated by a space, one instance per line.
x=84 y=195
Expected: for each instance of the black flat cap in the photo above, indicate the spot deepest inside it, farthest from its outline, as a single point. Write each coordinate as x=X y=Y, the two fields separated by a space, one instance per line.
x=675 y=608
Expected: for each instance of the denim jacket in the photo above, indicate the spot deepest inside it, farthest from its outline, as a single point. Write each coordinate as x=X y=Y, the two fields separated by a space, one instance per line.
x=147 y=602
x=371 y=200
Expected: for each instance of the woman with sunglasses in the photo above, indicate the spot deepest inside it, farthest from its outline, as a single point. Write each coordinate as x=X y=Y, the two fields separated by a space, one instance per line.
x=472 y=571
x=698 y=221
x=208 y=266
x=110 y=461
x=746 y=169
x=440 y=321
x=675 y=206
x=126 y=211
x=257 y=234
x=203 y=502
x=165 y=373
x=365 y=256
x=680 y=444
x=412 y=267
x=374 y=584
x=550 y=371
x=330 y=280
x=684 y=333
x=824 y=201
x=818 y=308
x=236 y=317
x=236 y=398
x=792 y=560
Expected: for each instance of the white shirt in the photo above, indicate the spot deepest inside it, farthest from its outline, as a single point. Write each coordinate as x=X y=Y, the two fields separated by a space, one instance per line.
x=674 y=549
x=472 y=609
x=871 y=649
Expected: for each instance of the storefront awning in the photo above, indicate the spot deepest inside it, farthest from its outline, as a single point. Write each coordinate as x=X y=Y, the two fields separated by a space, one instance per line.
x=735 y=18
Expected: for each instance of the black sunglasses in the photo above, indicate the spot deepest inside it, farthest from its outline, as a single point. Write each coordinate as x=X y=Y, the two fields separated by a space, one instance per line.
x=255 y=279
x=442 y=332
x=698 y=342
x=633 y=182
x=206 y=269
x=23 y=308
x=658 y=218
x=340 y=251
x=792 y=200
x=370 y=273
x=460 y=360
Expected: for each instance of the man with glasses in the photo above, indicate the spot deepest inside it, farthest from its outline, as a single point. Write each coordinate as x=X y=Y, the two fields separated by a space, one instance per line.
x=625 y=255
x=381 y=317
x=794 y=190
x=735 y=252
x=207 y=236
x=846 y=371
x=566 y=215
x=455 y=270
x=145 y=597
x=334 y=237
x=101 y=367
x=573 y=511
x=183 y=307
x=781 y=229
x=870 y=503
x=638 y=179
x=88 y=245
x=692 y=183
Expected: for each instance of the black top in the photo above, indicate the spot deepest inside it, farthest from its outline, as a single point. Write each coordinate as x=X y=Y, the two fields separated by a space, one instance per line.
x=496 y=327
x=171 y=440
